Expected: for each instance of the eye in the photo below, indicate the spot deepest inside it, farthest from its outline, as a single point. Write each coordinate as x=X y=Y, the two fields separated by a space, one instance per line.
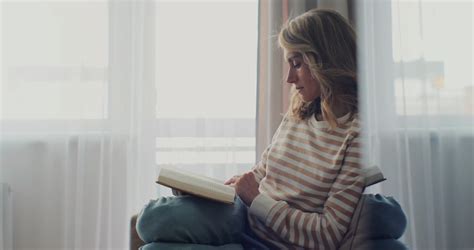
x=296 y=65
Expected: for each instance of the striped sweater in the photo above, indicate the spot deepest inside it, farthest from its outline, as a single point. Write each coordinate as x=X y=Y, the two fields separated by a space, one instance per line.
x=310 y=183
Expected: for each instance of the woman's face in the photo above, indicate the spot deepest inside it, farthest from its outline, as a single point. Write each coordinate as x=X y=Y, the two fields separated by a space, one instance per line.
x=300 y=76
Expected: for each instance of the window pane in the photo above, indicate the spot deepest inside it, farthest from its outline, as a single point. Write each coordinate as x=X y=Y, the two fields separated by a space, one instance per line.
x=54 y=60
x=206 y=59
x=433 y=51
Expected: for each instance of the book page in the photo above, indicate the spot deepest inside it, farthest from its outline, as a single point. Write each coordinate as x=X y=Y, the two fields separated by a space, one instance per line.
x=196 y=184
x=373 y=175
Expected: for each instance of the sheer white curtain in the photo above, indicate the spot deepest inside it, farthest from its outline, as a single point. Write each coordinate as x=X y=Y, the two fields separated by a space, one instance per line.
x=77 y=110
x=273 y=93
x=97 y=95
x=206 y=86
x=416 y=64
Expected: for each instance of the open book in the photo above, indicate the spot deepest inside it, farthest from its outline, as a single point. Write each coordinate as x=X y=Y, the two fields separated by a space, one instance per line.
x=373 y=175
x=209 y=188
x=195 y=184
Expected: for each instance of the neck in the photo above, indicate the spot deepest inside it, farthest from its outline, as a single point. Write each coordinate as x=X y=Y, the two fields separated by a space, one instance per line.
x=338 y=110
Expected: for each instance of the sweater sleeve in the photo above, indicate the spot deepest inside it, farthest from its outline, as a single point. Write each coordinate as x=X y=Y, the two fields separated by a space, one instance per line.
x=259 y=170
x=323 y=230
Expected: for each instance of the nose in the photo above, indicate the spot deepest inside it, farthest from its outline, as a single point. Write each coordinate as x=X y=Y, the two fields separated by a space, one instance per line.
x=291 y=78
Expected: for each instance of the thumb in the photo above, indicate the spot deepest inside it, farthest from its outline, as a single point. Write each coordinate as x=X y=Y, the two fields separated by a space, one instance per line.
x=229 y=181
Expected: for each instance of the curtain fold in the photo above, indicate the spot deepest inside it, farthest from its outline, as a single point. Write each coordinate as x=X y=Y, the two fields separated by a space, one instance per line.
x=96 y=96
x=416 y=91
x=132 y=90
x=80 y=171
x=272 y=95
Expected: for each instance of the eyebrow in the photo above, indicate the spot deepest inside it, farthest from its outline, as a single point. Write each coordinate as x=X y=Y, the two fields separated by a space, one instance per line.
x=293 y=56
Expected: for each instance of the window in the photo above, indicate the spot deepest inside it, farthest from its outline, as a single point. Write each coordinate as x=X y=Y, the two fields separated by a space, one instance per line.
x=55 y=69
x=50 y=69
x=432 y=50
x=206 y=85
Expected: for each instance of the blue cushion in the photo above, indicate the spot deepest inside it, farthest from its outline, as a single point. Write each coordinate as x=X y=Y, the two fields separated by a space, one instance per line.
x=385 y=244
x=189 y=219
x=184 y=246
x=381 y=218
x=377 y=223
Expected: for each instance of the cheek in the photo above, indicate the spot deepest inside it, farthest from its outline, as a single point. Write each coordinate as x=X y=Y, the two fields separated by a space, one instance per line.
x=315 y=91
x=317 y=87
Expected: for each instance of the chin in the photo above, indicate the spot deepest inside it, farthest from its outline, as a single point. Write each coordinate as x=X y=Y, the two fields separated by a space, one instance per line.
x=308 y=99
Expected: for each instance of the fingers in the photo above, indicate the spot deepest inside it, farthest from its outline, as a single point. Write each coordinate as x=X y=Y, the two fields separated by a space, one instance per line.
x=232 y=180
x=246 y=188
x=229 y=181
x=236 y=178
x=247 y=176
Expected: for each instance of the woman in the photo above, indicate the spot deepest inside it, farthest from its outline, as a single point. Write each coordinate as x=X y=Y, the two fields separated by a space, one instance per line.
x=307 y=185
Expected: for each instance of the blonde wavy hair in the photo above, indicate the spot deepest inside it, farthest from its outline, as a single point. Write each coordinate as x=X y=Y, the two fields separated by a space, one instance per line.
x=327 y=43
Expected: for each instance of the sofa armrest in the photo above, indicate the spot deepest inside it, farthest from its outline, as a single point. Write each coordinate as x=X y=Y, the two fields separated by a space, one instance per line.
x=377 y=223
x=135 y=241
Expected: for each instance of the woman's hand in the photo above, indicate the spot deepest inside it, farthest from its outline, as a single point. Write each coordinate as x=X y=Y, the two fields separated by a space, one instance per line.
x=232 y=180
x=247 y=188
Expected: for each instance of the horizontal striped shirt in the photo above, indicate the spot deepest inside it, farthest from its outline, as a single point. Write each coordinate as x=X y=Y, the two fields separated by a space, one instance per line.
x=309 y=182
